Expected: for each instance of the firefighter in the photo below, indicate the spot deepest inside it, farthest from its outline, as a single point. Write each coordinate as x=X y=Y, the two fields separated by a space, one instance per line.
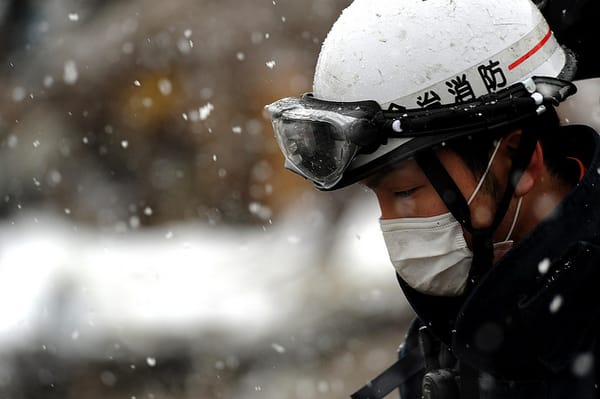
x=467 y=121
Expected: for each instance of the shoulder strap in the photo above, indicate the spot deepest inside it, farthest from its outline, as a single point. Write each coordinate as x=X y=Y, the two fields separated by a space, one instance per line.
x=407 y=365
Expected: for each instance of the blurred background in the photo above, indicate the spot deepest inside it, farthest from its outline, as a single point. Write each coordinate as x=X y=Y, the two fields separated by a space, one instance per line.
x=151 y=243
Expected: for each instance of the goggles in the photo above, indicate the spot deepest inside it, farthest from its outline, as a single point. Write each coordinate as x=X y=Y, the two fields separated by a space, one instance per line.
x=323 y=140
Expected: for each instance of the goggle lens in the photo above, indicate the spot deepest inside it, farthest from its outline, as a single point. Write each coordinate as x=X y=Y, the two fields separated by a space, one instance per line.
x=315 y=150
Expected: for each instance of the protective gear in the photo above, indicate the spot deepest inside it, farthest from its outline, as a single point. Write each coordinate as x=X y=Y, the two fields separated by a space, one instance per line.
x=390 y=61
x=403 y=49
x=400 y=57
x=430 y=254
x=329 y=142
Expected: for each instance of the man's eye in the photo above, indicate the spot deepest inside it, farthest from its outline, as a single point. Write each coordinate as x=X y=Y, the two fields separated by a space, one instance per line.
x=405 y=194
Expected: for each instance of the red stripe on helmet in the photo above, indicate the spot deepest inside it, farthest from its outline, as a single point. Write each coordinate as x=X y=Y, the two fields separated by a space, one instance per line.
x=531 y=52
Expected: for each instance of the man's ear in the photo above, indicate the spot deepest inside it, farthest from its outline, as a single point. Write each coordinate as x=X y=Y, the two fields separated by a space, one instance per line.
x=533 y=169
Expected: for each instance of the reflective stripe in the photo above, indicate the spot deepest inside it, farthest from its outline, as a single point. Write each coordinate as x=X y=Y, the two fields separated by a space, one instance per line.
x=537 y=53
x=532 y=51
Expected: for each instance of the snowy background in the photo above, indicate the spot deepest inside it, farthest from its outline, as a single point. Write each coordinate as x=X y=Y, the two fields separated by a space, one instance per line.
x=151 y=244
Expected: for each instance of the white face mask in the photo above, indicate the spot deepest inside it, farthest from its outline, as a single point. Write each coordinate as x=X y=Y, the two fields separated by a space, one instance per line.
x=430 y=254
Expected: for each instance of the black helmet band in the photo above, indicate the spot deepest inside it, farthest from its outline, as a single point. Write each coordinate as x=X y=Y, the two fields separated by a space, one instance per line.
x=334 y=144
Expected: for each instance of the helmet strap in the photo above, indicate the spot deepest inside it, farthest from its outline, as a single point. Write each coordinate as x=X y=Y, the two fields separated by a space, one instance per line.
x=483 y=253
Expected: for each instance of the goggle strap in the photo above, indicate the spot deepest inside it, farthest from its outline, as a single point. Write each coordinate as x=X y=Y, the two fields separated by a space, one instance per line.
x=436 y=121
x=520 y=162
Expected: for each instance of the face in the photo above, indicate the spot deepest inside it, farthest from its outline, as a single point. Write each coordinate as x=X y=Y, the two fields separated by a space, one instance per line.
x=405 y=191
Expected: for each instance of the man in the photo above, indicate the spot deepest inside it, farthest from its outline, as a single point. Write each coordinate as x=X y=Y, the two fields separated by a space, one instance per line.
x=459 y=116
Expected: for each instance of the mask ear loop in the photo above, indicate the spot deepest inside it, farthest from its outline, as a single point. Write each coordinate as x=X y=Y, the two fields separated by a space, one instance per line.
x=514 y=222
x=482 y=180
x=484 y=175
x=446 y=187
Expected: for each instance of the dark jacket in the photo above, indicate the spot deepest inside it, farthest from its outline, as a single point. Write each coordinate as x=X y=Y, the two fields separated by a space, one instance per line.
x=529 y=328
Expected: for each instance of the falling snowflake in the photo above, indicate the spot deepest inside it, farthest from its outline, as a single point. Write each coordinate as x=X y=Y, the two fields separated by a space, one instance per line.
x=48 y=81
x=205 y=111
x=19 y=94
x=583 y=364
x=165 y=86
x=556 y=304
x=71 y=74
x=278 y=348
x=544 y=265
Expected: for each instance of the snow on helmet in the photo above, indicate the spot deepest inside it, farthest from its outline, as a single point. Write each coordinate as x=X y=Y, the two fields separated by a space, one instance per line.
x=416 y=52
x=447 y=58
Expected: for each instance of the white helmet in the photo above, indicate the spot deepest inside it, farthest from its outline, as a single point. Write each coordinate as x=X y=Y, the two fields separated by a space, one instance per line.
x=415 y=52
x=395 y=77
